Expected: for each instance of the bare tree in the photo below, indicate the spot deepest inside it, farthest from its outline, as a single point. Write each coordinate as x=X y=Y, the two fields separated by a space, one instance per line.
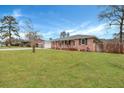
x=114 y=14
x=31 y=34
x=64 y=34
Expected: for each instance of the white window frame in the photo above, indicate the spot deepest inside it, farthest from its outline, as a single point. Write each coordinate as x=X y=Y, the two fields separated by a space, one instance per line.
x=85 y=41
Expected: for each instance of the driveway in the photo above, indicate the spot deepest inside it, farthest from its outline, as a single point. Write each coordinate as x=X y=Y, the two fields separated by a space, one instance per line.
x=9 y=49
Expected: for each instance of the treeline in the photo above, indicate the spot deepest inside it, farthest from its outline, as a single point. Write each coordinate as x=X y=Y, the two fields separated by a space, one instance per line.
x=10 y=32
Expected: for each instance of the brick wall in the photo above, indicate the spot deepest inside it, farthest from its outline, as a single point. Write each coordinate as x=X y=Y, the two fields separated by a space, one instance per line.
x=74 y=44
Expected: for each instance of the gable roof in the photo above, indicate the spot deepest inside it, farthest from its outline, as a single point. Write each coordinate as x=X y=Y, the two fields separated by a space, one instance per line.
x=74 y=37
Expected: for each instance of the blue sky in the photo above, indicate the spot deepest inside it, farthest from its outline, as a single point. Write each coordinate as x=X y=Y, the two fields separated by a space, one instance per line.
x=51 y=20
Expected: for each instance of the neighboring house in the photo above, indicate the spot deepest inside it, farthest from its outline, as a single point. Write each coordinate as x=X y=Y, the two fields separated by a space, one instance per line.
x=76 y=42
x=14 y=42
x=25 y=43
x=47 y=44
x=40 y=43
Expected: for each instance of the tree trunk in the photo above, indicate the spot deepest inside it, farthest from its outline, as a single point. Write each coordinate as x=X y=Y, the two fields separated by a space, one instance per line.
x=33 y=50
x=10 y=42
x=121 y=29
x=33 y=46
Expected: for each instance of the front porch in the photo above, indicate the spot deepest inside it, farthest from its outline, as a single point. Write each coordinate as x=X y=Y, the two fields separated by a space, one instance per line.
x=65 y=45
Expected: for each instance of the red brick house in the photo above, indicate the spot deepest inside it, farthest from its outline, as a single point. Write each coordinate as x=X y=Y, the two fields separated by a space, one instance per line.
x=76 y=42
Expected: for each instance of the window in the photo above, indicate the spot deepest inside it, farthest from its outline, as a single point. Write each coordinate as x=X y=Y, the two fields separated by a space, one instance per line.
x=83 y=41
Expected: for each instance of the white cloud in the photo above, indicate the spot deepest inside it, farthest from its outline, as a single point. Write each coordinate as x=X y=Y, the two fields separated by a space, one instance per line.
x=48 y=33
x=88 y=29
x=79 y=27
x=85 y=24
x=17 y=13
x=85 y=28
x=96 y=29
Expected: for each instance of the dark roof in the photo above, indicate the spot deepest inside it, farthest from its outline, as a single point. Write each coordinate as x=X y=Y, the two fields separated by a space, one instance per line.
x=74 y=37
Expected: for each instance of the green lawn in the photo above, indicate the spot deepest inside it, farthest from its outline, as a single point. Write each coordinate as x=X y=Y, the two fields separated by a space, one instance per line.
x=4 y=47
x=52 y=68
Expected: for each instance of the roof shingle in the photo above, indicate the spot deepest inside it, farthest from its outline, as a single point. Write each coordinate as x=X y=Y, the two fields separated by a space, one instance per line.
x=74 y=37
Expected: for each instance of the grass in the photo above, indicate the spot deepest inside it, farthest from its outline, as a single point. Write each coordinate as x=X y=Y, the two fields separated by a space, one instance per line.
x=52 y=68
x=4 y=47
